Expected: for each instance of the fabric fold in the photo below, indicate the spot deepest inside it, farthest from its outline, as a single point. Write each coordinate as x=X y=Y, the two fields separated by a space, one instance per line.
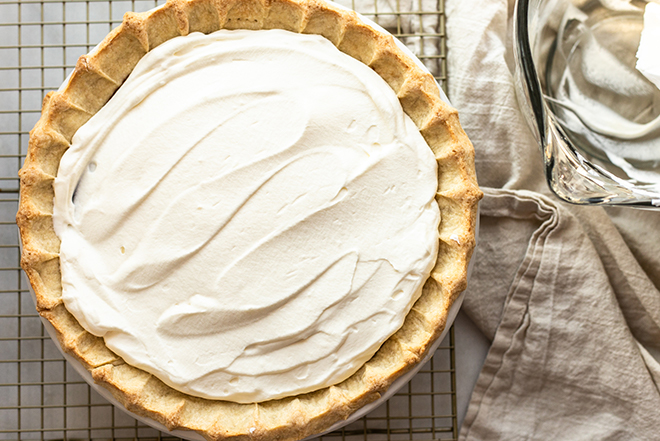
x=567 y=294
x=563 y=363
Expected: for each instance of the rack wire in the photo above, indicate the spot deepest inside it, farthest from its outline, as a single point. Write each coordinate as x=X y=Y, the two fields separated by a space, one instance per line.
x=41 y=396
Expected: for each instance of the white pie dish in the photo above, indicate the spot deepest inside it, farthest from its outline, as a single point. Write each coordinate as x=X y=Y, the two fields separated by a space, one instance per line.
x=450 y=240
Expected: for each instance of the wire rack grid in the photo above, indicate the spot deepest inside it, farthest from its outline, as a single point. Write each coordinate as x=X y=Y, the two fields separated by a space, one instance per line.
x=41 y=396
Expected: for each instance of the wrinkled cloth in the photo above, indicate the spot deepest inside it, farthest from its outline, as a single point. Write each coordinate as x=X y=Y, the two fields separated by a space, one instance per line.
x=569 y=296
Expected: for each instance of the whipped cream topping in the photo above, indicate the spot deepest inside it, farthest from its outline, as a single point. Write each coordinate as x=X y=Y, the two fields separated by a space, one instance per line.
x=648 y=52
x=249 y=217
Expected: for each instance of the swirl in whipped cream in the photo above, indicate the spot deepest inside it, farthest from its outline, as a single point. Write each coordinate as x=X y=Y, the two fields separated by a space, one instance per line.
x=249 y=217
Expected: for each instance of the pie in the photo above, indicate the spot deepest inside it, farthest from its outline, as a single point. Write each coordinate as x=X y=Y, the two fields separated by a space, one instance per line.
x=122 y=251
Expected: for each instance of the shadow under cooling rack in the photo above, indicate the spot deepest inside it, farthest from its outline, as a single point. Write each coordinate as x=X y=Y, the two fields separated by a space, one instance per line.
x=41 y=396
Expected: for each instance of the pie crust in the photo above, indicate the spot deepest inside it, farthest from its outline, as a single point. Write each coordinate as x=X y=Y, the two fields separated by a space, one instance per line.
x=99 y=74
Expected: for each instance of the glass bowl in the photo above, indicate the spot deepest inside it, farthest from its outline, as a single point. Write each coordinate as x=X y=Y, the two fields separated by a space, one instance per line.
x=595 y=116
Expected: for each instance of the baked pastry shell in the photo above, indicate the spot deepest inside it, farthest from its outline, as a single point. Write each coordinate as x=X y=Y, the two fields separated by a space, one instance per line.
x=95 y=79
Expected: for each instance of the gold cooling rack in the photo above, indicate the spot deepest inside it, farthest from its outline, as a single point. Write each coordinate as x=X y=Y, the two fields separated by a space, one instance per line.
x=41 y=397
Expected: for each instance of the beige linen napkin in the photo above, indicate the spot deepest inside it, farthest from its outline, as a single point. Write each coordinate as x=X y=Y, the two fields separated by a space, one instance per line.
x=568 y=295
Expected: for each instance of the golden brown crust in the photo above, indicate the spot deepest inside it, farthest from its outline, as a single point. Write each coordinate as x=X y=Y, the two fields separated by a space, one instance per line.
x=98 y=75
